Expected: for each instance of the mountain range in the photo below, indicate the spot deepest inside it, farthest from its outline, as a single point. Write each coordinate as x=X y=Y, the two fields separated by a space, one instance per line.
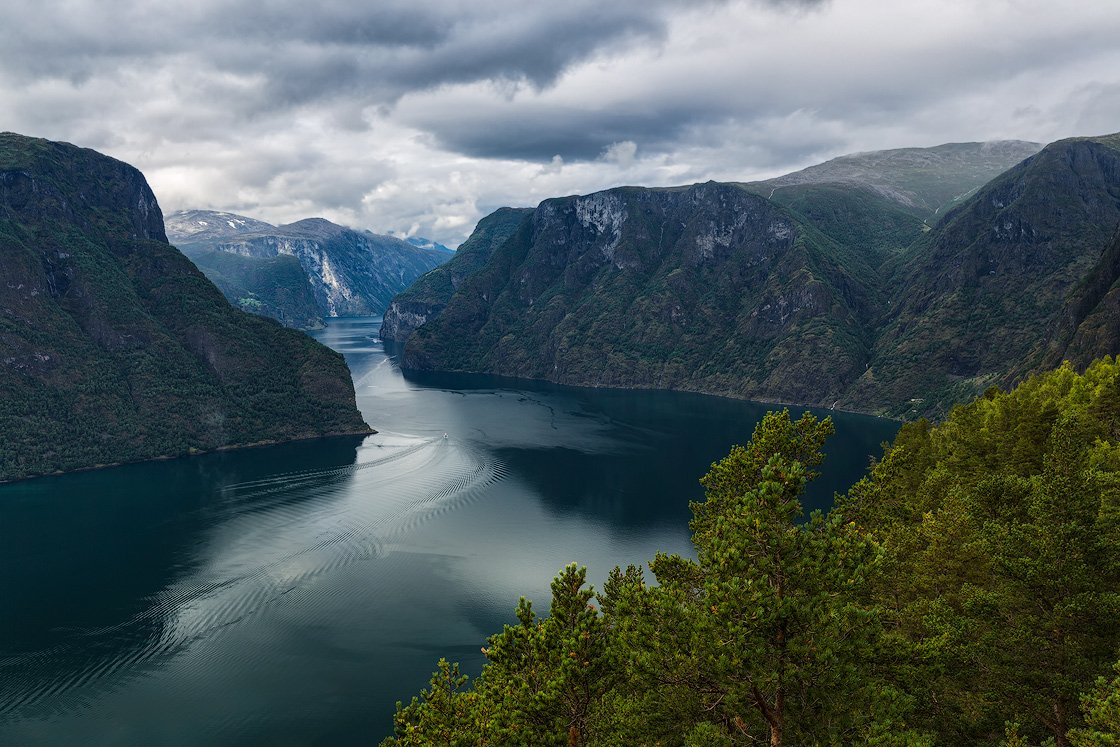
x=896 y=282
x=115 y=348
x=301 y=272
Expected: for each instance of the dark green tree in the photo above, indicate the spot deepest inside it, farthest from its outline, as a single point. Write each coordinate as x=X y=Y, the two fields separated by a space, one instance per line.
x=549 y=675
x=764 y=635
x=1101 y=707
x=1002 y=591
x=543 y=684
x=439 y=716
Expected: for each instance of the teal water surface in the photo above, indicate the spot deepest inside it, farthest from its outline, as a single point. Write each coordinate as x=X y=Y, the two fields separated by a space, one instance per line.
x=292 y=594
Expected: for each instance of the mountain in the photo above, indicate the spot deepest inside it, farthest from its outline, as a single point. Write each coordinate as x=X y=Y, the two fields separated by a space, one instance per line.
x=826 y=287
x=922 y=181
x=422 y=243
x=275 y=287
x=708 y=288
x=343 y=272
x=204 y=227
x=115 y=348
x=1010 y=282
x=427 y=297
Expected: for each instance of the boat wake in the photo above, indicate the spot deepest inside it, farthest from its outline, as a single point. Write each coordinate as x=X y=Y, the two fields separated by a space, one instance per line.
x=268 y=540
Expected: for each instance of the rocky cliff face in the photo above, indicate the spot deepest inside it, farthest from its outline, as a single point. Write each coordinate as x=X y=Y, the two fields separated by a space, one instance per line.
x=816 y=292
x=114 y=348
x=709 y=288
x=428 y=296
x=347 y=272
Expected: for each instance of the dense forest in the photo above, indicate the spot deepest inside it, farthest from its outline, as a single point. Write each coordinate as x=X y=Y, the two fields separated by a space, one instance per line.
x=897 y=283
x=965 y=592
x=116 y=348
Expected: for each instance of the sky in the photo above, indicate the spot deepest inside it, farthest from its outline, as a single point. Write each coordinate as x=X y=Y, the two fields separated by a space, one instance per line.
x=418 y=118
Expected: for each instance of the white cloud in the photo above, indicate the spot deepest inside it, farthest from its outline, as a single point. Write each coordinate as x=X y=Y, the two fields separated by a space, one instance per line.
x=621 y=153
x=421 y=117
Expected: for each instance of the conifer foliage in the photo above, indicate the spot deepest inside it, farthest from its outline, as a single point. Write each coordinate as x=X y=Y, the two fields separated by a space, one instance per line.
x=966 y=592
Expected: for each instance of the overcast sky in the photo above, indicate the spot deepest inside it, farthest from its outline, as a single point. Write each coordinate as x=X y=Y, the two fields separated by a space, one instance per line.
x=419 y=117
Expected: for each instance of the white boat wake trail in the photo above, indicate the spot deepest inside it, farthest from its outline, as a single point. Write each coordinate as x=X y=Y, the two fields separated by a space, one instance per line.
x=267 y=538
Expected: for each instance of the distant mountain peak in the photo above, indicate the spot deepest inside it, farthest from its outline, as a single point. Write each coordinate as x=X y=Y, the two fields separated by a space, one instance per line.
x=184 y=226
x=423 y=243
x=925 y=181
x=314 y=225
x=302 y=271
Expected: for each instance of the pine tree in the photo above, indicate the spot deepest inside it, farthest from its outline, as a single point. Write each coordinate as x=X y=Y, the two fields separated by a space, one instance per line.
x=1101 y=706
x=763 y=635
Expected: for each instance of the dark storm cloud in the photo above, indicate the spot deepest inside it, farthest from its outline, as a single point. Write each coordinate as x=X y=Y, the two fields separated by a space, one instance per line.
x=311 y=51
x=540 y=133
x=876 y=88
x=398 y=113
x=251 y=61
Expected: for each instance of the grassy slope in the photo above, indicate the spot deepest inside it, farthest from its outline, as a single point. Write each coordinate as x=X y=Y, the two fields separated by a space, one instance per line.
x=275 y=287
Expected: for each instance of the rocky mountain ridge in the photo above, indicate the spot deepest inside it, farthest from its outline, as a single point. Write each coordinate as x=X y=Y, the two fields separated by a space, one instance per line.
x=115 y=348
x=825 y=292
x=346 y=272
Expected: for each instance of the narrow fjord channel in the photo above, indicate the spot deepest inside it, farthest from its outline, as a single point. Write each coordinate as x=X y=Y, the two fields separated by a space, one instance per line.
x=290 y=595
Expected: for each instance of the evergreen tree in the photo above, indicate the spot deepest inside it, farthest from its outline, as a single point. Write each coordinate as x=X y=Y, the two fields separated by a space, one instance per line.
x=1101 y=706
x=763 y=635
x=439 y=715
x=964 y=593
x=1002 y=591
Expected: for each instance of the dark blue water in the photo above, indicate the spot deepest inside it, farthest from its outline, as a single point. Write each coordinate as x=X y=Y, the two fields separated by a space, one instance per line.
x=291 y=595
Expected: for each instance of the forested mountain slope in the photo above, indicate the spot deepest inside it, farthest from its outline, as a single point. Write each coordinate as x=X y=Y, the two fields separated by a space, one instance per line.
x=983 y=298
x=824 y=288
x=115 y=348
x=709 y=288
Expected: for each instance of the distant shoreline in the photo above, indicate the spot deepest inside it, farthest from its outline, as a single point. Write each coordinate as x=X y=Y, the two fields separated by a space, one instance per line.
x=191 y=454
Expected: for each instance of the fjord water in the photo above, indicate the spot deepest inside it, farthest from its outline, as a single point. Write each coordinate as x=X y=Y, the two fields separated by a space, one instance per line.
x=291 y=594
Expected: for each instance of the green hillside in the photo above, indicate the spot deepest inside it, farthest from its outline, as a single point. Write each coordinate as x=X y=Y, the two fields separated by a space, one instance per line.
x=978 y=299
x=925 y=182
x=275 y=287
x=115 y=348
x=827 y=288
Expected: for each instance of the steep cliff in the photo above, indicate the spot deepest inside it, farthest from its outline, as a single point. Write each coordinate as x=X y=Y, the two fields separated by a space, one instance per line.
x=709 y=287
x=114 y=348
x=344 y=272
x=427 y=297
x=1003 y=284
x=828 y=289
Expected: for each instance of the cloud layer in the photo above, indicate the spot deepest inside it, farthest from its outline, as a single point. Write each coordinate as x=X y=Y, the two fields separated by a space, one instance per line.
x=419 y=117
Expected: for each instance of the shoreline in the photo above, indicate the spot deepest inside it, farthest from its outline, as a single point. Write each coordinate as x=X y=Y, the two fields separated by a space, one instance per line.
x=421 y=372
x=190 y=454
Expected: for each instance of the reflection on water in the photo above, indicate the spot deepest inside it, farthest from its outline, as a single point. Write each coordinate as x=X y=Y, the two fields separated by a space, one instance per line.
x=290 y=595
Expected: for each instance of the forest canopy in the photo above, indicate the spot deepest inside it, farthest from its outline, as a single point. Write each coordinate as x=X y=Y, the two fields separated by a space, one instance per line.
x=965 y=592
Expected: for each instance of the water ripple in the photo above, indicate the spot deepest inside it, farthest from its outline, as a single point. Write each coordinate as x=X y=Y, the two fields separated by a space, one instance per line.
x=271 y=538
